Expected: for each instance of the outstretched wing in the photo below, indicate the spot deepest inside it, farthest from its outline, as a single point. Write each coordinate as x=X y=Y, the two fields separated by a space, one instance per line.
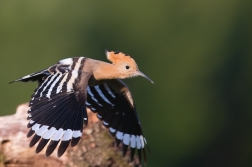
x=57 y=108
x=114 y=105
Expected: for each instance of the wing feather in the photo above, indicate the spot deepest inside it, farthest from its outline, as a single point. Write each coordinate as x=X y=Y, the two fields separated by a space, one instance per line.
x=114 y=105
x=57 y=107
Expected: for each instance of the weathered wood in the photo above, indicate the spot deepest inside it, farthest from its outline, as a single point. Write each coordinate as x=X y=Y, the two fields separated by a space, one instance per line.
x=96 y=147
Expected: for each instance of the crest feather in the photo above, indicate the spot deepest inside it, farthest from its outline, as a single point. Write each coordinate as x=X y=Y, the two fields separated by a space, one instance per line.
x=116 y=57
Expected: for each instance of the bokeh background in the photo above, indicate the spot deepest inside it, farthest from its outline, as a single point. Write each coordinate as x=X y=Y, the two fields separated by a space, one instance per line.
x=198 y=53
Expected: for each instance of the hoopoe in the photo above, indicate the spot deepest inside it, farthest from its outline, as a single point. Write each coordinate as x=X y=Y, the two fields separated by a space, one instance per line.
x=58 y=106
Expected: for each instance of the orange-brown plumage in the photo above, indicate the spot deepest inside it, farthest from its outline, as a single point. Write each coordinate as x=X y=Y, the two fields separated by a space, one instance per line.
x=123 y=66
x=119 y=57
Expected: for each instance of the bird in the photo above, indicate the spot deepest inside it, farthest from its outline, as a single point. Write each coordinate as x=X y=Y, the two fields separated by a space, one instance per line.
x=58 y=106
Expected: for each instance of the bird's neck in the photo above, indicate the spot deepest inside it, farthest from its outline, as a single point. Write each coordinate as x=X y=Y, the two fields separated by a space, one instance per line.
x=104 y=71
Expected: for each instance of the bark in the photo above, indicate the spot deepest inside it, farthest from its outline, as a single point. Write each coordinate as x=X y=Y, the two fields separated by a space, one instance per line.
x=96 y=147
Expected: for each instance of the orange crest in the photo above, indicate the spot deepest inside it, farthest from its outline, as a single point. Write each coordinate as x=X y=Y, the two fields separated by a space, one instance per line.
x=118 y=57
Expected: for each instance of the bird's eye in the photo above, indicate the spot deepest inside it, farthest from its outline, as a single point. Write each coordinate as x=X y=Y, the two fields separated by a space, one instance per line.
x=127 y=67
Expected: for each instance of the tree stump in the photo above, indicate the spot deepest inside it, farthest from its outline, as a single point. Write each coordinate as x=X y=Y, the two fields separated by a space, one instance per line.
x=96 y=147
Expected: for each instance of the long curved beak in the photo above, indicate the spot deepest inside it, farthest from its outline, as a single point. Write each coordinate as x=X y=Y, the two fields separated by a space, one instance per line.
x=143 y=75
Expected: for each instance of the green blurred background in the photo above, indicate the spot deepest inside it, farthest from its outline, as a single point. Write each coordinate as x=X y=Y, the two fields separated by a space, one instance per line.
x=198 y=53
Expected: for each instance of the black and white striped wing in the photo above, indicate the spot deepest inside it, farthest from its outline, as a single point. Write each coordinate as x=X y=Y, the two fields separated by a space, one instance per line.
x=57 y=108
x=118 y=113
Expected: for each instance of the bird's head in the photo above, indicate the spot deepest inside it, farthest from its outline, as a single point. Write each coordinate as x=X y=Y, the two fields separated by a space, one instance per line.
x=125 y=65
